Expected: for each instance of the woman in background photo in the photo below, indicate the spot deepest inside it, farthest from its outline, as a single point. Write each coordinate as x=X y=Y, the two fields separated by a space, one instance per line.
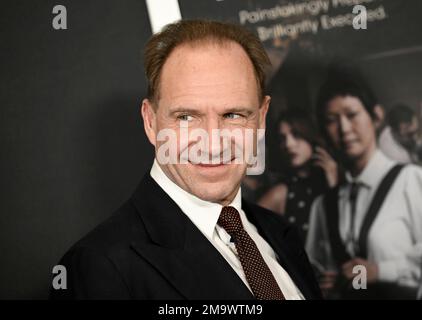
x=309 y=170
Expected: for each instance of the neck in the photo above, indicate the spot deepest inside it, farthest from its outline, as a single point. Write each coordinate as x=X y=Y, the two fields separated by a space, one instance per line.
x=357 y=165
x=303 y=172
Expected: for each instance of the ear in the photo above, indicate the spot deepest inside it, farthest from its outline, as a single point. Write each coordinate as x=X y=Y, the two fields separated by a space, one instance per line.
x=379 y=116
x=150 y=121
x=263 y=111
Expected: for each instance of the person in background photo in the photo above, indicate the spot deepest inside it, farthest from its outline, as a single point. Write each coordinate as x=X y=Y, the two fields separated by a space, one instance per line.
x=309 y=170
x=399 y=139
x=374 y=219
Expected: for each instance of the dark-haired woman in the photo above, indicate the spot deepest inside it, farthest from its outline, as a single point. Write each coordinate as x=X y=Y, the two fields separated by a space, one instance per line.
x=309 y=170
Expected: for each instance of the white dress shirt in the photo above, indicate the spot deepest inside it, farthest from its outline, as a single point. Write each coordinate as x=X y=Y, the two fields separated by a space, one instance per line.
x=204 y=216
x=395 y=238
x=393 y=149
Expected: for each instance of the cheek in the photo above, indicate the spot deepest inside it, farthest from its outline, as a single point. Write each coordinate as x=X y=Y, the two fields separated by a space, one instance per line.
x=333 y=133
x=366 y=130
x=306 y=150
x=163 y=124
x=370 y=136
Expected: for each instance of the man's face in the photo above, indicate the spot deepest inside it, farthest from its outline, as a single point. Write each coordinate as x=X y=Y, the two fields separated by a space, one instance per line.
x=206 y=87
x=407 y=133
x=350 y=128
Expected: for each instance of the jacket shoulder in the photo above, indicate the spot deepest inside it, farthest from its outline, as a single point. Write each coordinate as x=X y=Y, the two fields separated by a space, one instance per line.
x=115 y=232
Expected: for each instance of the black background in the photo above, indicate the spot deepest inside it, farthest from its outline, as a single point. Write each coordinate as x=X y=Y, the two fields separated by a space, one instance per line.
x=72 y=141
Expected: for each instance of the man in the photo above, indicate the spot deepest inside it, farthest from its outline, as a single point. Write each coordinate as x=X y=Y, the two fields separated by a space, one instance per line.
x=186 y=233
x=398 y=140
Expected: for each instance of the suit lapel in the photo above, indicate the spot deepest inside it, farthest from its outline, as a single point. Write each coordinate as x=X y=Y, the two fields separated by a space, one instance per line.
x=180 y=252
x=277 y=239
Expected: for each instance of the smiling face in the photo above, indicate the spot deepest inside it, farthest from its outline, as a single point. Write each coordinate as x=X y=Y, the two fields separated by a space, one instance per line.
x=350 y=129
x=206 y=86
x=298 y=150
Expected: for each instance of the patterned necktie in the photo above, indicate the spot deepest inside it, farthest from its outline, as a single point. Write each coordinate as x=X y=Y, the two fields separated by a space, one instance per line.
x=258 y=275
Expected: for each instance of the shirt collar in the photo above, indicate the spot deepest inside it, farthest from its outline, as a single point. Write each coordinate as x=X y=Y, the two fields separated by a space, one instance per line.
x=203 y=214
x=374 y=171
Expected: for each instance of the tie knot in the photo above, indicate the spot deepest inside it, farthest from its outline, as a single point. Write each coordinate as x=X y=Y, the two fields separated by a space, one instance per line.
x=230 y=220
x=354 y=189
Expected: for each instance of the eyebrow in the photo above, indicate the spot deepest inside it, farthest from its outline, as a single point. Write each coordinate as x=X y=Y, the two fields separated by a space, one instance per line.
x=177 y=110
x=247 y=110
x=331 y=114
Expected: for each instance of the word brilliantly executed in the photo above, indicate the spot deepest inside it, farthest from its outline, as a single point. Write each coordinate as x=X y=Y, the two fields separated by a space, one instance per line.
x=324 y=22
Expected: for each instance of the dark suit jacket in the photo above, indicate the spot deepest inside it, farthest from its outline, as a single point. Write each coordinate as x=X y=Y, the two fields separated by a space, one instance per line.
x=149 y=249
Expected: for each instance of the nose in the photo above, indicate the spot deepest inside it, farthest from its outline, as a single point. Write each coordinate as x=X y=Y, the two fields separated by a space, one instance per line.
x=344 y=125
x=290 y=141
x=212 y=125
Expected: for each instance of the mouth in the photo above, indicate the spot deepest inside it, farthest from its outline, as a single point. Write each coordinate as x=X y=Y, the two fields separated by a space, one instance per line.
x=210 y=165
x=348 y=143
x=213 y=165
x=292 y=155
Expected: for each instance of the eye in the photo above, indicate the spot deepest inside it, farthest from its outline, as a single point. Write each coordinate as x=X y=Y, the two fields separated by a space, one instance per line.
x=297 y=135
x=185 y=117
x=351 y=115
x=330 y=120
x=232 y=116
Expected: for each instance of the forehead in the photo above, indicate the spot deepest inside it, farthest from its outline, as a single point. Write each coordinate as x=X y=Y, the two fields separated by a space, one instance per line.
x=284 y=127
x=208 y=73
x=341 y=104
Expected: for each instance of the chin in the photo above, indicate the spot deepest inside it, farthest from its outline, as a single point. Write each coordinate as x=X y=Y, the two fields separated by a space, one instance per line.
x=298 y=164
x=214 y=191
x=211 y=196
x=353 y=155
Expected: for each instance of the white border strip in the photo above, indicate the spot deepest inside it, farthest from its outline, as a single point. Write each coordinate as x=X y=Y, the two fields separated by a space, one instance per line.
x=162 y=12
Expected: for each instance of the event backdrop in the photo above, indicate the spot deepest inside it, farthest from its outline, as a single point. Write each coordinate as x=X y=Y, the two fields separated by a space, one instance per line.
x=72 y=143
